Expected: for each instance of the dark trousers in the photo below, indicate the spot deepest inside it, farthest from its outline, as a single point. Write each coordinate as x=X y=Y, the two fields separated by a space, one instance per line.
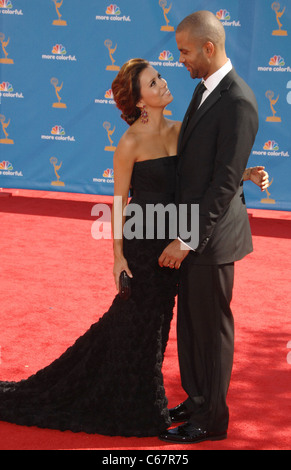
x=205 y=332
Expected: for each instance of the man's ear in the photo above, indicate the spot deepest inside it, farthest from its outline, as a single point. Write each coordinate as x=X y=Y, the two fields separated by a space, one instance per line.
x=209 y=48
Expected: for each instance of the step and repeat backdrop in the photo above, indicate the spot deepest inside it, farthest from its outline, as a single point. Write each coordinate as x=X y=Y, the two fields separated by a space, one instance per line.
x=59 y=125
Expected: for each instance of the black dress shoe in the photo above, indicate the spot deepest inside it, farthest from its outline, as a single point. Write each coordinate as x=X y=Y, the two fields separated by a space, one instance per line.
x=179 y=414
x=190 y=434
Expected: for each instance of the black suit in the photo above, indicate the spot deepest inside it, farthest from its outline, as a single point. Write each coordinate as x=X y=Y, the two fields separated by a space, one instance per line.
x=214 y=148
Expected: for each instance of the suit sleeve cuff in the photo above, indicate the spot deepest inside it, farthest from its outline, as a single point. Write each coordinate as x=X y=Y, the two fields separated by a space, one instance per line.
x=185 y=246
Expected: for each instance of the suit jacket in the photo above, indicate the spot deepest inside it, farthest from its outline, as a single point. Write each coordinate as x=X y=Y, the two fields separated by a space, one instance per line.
x=214 y=148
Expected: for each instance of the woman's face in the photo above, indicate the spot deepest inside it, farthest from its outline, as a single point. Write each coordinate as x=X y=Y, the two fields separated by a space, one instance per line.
x=154 y=89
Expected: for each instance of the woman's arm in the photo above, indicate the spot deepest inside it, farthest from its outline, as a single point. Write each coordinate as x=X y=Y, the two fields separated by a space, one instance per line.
x=124 y=159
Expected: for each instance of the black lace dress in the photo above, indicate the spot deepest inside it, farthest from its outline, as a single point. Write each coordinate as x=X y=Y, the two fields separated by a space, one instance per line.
x=110 y=381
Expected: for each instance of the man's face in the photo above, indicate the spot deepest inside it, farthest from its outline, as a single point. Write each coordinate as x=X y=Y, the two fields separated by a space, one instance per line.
x=193 y=55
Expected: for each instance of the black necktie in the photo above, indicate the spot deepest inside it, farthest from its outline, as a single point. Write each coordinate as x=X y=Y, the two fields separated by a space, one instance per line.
x=197 y=97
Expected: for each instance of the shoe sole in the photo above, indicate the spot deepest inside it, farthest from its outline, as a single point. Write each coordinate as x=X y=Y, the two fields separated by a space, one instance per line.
x=222 y=437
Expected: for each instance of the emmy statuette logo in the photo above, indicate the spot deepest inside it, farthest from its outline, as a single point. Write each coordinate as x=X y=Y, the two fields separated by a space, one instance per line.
x=273 y=102
x=112 y=67
x=166 y=11
x=268 y=199
x=55 y=83
x=59 y=21
x=5 y=125
x=279 y=32
x=54 y=162
x=4 y=44
x=110 y=132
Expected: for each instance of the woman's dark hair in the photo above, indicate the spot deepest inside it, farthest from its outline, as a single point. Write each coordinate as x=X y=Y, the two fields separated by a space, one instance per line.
x=126 y=89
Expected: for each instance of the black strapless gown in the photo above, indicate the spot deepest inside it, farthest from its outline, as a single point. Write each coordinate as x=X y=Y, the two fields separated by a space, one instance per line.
x=110 y=381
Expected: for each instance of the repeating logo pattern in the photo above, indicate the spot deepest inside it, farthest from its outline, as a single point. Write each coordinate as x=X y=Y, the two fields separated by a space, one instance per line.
x=120 y=27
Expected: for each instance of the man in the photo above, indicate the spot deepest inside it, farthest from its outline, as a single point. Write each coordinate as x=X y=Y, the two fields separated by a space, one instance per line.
x=216 y=139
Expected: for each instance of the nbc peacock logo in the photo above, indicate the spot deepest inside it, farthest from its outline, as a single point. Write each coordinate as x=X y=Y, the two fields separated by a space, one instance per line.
x=58 y=133
x=59 y=49
x=166 y=59
x=6 y=4
x=109 y=173
x=113 y=13
x=166 y=55
x=276 y=64
x=6 y=87
x=59 y=52
x=58 y=130
x=108 y=98
x=5 y=165
x=6 y=169
x=107 y=177
x=277 y=61
x=109 y=94
x=271 y=145
x=113 y=10
x=7 y=91
x=225 y=18
x=223 y=15
x=271 y=148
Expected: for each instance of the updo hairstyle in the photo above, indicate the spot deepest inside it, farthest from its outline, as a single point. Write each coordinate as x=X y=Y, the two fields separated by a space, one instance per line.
x=126 y=89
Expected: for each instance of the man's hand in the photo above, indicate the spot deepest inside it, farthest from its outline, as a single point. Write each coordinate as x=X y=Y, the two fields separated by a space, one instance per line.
x=173 y=255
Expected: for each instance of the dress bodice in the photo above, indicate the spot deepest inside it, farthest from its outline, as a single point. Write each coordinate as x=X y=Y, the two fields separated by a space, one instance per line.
x=154 y=180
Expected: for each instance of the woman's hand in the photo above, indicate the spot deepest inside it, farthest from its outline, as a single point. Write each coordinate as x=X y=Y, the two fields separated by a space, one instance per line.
x=259 y=176
x=120 y=264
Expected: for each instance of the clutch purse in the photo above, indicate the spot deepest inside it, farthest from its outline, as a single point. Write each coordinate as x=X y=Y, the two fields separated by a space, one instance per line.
x=124 y=286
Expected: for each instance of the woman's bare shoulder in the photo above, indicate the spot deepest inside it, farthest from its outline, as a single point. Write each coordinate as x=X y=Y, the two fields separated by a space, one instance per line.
x=127 y=146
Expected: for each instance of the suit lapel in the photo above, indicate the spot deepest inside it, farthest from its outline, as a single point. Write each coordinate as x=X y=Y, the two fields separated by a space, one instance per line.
x=210 y=101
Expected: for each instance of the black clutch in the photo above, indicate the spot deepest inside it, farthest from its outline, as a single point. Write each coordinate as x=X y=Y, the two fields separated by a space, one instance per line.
x=124 y=286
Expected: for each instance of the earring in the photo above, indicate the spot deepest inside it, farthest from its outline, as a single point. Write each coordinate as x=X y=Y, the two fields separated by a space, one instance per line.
x=144 y=116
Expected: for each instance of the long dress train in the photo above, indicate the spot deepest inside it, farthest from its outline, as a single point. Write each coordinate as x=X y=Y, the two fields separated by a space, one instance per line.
x=110 y=381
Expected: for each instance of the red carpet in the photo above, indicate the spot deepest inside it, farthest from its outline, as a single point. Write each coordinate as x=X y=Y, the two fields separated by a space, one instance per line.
x=56 y=280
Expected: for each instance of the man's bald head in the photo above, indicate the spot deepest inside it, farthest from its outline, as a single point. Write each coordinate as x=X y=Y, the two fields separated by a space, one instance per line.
x=204 y=25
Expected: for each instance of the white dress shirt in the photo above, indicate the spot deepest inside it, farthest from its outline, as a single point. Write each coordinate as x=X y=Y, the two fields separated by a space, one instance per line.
x=213 y=81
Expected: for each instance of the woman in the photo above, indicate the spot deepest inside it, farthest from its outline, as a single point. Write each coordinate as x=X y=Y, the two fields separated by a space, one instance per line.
x=110 y=381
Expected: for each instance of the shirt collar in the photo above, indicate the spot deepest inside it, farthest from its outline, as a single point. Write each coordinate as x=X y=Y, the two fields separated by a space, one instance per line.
x=213 y=81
